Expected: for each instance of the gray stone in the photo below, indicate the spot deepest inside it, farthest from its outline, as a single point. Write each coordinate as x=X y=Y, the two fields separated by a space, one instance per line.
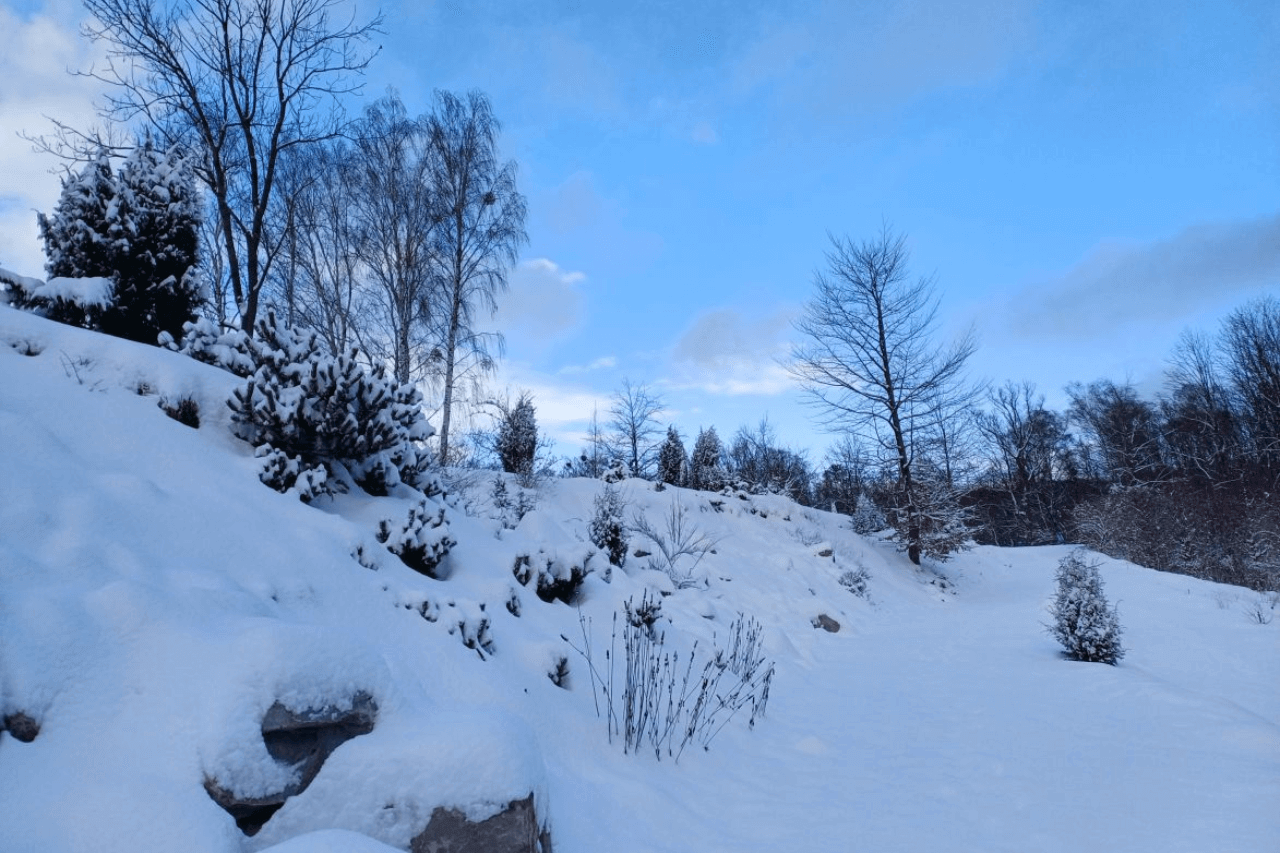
x=302 y=740
x=512 y=830
x=826 y=623
x=21 y=726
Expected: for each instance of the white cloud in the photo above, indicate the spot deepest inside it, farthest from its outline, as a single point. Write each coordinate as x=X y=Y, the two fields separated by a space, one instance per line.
x=543 y=303
x=1159 y=281
x=603 y=363
x=729 y=354
x=36 y=53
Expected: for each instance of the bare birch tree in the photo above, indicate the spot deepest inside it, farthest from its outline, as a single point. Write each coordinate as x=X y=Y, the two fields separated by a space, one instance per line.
x=240 y=81
x=481 y=229
x=394 y=205
x=871 y=366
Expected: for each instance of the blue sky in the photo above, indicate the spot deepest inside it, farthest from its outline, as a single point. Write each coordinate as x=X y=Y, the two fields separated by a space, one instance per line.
x=1084 y=181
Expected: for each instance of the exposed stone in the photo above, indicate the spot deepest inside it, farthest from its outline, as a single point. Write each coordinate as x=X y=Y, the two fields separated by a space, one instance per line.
x=826 y=623
x=824 y=550
x=512 y=830
x=250 y=813
x=21 y=726
x=302 y=740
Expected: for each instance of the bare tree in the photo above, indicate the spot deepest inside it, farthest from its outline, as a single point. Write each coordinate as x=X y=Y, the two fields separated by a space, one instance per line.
x=1124 y=430
x=240 y=81
x=633 y=414
x=394 y=205
x=480 y=233
x=320 y=274
x=1251 y=347
x=871 y=365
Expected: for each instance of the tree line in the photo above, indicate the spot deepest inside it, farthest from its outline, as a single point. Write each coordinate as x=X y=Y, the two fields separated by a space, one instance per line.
x=1184 y=482
x=390 y=234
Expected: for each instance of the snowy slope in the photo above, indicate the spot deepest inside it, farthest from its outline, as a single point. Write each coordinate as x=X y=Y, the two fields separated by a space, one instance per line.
x=155 y=599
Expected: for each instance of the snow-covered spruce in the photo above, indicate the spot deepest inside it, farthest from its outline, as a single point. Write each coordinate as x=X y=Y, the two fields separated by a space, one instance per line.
x=330 y=412
x=517 y=441
x=138 y=231
x=706 y=473
x=80 y=242
x=672 y=460
x=1083 y=622
x=608 y=530
x=422 y=539
x=867 y=518
x=156 y=271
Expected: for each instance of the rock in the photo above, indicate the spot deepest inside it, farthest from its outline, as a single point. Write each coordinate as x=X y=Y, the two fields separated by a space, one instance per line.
x=306 y=738
x=826 y=623
x=21 y=726
x=512 y=830
x=302 y=740
x=824 y=549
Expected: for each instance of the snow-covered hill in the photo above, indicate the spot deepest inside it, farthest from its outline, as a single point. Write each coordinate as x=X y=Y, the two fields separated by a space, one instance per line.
x=156 y=599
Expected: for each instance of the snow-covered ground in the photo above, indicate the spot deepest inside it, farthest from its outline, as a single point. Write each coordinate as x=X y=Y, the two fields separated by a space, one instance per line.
x=155 y=599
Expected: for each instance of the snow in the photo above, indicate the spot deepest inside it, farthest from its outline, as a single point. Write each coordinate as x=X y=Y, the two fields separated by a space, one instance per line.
x=91 y=292
x=156 y=599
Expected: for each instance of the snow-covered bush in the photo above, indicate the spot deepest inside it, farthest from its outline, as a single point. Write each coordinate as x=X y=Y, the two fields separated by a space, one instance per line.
x=556 y=577
x=74 y=301
x=608 y=530
x=422 y=540
x=1083 y=622
x=284 y=473
x=205 y=342
x=122 y=249
x=509 y=510
x=184 y=410
x=616 y=472
x=329 y=411
x=855 y=580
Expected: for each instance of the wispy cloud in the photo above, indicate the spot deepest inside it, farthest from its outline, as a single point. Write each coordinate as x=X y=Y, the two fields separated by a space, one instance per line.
x=1118 y=284
x=725 y=352
x=844 y=55
x=607 y=362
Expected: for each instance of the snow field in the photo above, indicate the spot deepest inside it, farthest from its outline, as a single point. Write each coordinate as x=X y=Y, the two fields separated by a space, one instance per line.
x=155 y=599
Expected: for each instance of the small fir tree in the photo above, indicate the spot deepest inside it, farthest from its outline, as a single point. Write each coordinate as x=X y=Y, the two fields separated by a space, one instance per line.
x=608 y=530
x=517 y=442
x=1083 y=622
x=79 y=240
x=705 y=471
x=672 y=460
x=866 y=517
